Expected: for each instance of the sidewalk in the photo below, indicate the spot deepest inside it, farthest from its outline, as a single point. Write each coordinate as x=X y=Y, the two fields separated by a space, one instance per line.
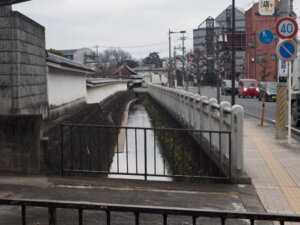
x=274 y=167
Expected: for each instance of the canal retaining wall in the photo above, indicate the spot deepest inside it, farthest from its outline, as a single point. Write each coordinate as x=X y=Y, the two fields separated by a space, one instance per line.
x=200 y=113
x=109 y=112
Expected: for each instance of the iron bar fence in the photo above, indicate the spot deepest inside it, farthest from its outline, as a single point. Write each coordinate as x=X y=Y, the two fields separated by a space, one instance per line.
x=145 y=152
x=222 y=217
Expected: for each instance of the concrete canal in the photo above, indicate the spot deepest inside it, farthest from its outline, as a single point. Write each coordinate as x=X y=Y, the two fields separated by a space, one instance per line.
x=134 y=153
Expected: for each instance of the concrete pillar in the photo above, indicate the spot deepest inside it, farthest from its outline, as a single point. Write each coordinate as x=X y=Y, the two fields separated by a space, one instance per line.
x=225 y=138
x=191 y=111
x=196 y=112
x=237 y=140
x=211 y=102
x=203 y=100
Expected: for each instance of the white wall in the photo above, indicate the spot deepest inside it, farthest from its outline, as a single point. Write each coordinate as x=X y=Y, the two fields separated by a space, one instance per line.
x=99 y=93
x=65 y=86
x=155 y=78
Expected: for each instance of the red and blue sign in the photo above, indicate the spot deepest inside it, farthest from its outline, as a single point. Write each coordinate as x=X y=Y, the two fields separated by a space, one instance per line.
x=286 y=28
x=287 y=50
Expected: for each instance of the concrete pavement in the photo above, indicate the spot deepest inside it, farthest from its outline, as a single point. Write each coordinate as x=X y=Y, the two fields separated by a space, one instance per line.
x=233 y=198
x=273 y=166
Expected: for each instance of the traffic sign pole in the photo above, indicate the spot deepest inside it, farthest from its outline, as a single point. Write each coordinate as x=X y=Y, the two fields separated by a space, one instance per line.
x=285 y=28
x=290 y=103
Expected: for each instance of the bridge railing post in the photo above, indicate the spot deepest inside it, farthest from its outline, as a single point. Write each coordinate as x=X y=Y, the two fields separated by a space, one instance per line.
x=203 y=113
x=191 y=110
x=186 y=109
x=224 y=126
x=196 y=110
x=211 y=102
x=237 y=140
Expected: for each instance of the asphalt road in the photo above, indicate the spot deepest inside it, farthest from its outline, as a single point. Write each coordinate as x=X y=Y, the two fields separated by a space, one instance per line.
x=251 y=106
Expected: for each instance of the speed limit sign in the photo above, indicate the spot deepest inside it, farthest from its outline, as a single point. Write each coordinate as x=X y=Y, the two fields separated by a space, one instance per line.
x=286 y=28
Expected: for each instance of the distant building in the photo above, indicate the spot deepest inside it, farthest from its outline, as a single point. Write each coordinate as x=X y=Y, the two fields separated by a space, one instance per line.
x=261 y=60
x=84 y=56
x=221 y=26
x=150 y=74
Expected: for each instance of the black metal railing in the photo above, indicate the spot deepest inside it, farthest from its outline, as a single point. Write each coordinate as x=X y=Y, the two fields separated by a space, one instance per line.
x=145 y=152
x=162 y=214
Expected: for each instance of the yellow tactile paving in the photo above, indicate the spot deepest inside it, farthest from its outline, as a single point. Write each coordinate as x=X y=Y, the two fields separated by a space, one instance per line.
x=287 y=185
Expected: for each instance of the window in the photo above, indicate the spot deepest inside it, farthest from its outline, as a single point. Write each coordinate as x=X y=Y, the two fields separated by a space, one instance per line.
x=273 y=57
x=259 y=58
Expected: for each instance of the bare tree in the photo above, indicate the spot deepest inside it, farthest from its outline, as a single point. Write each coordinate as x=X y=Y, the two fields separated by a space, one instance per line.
x=265 y=72
x=110 y=59
x=198 y=65
x=214 y=53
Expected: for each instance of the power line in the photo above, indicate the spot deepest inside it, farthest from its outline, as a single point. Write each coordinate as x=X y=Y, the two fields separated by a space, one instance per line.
x=137 y=46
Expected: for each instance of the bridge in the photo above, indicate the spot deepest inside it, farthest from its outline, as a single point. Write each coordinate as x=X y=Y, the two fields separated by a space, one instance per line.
x=41 y=96
x=47 y=128
x=200 y=113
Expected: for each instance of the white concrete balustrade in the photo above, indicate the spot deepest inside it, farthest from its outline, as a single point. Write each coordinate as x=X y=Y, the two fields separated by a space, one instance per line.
x=200 y=113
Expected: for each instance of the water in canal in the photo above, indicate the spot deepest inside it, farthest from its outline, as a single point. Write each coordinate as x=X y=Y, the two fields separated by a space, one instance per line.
x=138 y=117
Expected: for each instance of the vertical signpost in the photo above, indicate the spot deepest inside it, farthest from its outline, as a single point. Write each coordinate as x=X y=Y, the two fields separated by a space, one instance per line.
x=286 y=29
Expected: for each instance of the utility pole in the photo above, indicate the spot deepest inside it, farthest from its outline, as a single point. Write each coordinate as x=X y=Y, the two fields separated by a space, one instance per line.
x=170 y=62
x=233 y=55
x=183 y=38
x=97 y=55
x=175 y=81
x=281 y=102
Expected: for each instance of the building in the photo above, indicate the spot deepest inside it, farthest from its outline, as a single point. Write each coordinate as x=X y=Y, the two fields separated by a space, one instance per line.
x=261 y=60
x=63 y=77
x=150 y=74
x=84 y=56
x=221 y=27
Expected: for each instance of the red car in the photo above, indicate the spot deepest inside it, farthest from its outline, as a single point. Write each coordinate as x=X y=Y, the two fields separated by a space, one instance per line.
x=248 y=87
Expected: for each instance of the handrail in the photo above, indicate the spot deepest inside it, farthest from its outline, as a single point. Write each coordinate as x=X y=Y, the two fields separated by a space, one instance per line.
x=52 y=205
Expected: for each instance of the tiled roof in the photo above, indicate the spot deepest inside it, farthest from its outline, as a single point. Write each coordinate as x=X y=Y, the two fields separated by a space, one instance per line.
x=67 y=62
x=93 y=82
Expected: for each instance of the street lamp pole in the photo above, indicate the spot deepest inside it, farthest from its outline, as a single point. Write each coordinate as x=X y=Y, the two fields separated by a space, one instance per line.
x=170 y=60
x=233 y=56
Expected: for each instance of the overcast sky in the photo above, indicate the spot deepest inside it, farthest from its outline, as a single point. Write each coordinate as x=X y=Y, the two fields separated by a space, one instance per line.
x=137 y=26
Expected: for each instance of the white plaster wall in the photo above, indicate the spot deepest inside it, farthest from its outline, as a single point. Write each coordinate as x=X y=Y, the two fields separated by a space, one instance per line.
x=65 y=86
x=159 y=78
x=98 y=94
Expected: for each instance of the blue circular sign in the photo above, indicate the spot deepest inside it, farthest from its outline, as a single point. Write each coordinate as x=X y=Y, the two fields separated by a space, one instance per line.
x=266 y=37
x=287 y=50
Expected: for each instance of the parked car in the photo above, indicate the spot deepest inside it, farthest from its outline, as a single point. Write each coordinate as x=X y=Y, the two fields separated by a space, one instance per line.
x=269 y=89
x=226 y=87
x=248 y=88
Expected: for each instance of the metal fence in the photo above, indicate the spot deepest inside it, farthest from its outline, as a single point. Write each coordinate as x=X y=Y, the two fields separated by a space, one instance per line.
x=162 y=214
x=145 y=152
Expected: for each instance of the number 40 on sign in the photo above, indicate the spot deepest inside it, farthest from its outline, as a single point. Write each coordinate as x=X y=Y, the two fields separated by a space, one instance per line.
x=286 y=28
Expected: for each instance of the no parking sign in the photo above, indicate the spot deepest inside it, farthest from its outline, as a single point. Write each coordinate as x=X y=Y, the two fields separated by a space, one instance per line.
x=287 y=50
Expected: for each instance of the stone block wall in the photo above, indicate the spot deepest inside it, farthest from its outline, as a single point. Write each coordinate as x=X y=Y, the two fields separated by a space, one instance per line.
x=20 y=144
x=23 y=82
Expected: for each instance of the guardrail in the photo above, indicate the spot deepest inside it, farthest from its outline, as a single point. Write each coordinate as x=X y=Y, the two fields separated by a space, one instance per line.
x=141 y=152
x=200 y=113
x=183 y=215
